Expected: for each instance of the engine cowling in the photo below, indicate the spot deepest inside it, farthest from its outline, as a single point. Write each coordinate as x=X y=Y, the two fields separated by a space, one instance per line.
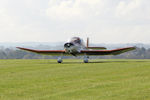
x=68 y=45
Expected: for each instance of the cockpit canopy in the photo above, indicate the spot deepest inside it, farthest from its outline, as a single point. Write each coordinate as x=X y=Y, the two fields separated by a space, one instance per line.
x=75 y=40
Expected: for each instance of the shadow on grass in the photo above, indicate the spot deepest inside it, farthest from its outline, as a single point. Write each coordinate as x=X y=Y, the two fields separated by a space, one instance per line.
x=75 y=62
x=116 y=61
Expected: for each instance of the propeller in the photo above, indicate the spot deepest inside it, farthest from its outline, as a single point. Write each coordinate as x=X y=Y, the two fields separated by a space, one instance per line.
x=67 y=45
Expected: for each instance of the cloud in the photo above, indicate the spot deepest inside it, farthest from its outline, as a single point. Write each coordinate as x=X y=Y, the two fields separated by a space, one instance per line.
x=133 y=10
x=74 y=9
x=107 y=21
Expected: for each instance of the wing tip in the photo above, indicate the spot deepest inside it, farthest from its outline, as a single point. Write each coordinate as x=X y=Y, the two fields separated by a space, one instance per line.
x=134 y=47
x=18 y=47
x=21 y=48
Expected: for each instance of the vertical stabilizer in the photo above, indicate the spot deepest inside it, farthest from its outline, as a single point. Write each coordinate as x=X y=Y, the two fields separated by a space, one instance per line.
x=87 y=44
x=96 y=48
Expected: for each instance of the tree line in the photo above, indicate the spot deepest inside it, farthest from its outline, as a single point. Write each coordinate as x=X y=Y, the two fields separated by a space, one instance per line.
x=8 y=53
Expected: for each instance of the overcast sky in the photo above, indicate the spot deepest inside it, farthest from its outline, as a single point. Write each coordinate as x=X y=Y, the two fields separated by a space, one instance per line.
x=104 y=21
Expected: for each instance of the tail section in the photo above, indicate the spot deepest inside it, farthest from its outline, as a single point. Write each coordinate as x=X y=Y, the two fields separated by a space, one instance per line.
x=87 y=46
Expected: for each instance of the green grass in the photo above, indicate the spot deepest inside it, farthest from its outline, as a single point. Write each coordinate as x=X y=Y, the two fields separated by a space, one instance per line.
x=74 y=80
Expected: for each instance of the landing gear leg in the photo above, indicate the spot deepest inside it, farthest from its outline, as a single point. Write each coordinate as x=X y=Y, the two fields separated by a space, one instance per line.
x=86 y=59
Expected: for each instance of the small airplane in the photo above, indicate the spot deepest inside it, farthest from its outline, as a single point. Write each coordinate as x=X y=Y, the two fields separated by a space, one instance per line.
x=76 y=47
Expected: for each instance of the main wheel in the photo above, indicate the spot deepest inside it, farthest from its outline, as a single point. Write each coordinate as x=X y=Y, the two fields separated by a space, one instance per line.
x=86 y=60
x=59 y=60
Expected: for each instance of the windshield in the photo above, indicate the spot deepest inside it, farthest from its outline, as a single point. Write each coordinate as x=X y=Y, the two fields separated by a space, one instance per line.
x=75 y=40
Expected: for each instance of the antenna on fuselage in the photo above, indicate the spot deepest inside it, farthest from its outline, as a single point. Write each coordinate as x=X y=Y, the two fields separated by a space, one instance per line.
x=87 y=43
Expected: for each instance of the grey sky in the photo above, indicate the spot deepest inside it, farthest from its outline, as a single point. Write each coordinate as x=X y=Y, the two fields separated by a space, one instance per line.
x=104 y=21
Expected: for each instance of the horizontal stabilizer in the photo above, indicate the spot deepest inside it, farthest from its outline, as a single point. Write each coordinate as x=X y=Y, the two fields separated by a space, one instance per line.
x=96 y=48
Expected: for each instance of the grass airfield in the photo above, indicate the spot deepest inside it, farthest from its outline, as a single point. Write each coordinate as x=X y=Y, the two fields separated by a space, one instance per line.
x=73 y=80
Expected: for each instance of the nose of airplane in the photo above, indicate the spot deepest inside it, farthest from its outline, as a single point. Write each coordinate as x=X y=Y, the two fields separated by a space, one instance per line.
x=67 y=45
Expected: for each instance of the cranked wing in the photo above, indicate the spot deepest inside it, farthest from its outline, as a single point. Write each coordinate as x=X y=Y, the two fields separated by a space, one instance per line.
x=107 y=52
x=47 y=52
x=87 y=52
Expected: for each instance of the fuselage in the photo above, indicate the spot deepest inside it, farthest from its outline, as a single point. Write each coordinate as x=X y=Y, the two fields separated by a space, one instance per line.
x=74 y=46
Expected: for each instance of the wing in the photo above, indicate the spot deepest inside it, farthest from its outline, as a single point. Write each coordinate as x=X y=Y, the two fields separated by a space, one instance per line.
x=107 y=52
x=46 y=52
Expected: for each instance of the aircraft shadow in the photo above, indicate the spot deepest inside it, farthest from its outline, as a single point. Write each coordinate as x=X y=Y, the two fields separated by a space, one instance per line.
x=96 y=62
x=116 y=61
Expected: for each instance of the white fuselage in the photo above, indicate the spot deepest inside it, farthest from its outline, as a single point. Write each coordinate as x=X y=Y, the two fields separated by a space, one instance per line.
x=74 y=46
